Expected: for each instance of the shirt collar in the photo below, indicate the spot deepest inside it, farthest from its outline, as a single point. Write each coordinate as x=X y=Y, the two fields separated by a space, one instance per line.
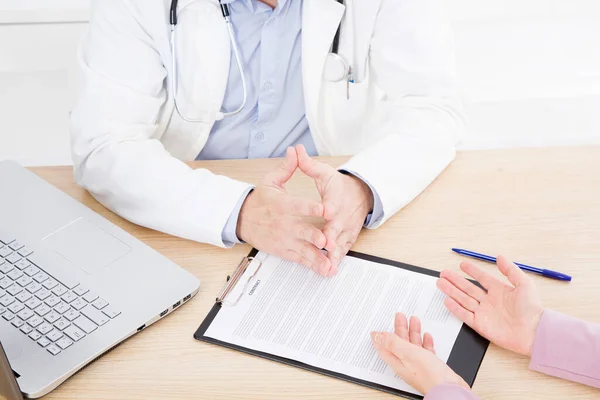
x=250 y=4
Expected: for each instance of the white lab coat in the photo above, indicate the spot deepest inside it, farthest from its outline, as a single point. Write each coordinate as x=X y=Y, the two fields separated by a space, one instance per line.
x=401 y=123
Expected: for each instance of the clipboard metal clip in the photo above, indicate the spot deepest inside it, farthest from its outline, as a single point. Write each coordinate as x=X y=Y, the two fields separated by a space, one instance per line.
x=233 y=280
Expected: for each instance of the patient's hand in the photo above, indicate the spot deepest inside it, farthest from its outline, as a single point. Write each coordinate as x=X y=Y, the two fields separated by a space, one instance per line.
x=412 y=357
x=270 y=220
x=506 y=313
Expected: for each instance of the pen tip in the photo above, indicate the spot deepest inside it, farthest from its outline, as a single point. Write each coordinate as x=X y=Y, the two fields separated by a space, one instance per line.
x=454 y=249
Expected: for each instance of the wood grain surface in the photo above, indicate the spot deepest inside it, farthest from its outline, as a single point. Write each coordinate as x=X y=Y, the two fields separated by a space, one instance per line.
x=538 y=206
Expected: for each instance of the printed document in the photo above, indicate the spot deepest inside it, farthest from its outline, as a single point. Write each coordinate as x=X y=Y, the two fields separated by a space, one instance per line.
x=289 y=311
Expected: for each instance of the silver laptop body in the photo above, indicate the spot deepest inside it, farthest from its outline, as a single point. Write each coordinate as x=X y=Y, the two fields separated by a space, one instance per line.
x=72 y=284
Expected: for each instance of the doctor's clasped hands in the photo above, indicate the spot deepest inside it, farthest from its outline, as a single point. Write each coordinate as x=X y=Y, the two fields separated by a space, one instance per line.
x=271 y=220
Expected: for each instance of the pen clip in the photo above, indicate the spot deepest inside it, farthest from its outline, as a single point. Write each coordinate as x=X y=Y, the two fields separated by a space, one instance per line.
x=232 y=280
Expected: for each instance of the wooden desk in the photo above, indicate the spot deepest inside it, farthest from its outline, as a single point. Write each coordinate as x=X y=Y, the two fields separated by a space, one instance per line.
x=541 y=206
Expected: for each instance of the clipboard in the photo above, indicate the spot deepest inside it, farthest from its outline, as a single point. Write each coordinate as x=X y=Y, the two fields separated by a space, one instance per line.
x=465 y=358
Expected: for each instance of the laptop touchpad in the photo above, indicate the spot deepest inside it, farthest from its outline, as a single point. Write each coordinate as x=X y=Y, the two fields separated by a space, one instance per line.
x=86 y=245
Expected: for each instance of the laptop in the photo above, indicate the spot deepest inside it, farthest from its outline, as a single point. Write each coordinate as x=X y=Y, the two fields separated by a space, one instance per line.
x=72 y=284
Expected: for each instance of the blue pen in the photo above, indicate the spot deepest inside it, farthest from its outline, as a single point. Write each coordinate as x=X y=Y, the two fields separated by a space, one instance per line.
x=544 y=272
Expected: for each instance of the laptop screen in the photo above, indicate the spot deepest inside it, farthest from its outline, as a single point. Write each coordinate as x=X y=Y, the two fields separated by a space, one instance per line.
x=9 y=389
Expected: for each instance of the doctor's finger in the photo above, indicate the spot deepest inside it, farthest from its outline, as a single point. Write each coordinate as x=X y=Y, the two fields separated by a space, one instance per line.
x=285 y=170
x=311 y=167
x=311 y=234
x=311 y=257
x=300 y=207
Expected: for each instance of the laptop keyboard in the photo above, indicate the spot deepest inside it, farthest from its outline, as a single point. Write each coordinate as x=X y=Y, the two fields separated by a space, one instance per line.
x=54 y=315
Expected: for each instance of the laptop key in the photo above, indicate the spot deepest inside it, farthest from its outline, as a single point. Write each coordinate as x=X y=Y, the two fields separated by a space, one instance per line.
x=52 y=316
x=50 y=283
x=42 y=310
x=13 y=258
x=79 y=303
x=25 y=251
x=43 y=341
x=69 y=297
x=53 y=349
x=26 y=329
x=111 y=312
x=2 y=310
x=74 y=333
x=61 y=324
x=24 y=296
x=25 y=314
x=31 y=270
x=33 y=287
x=40 y=277
x=62 y=308
x=33 y=303
x=64 y=342
x=80 y=290
x=15 y=274
x=14 y=290
x=54 y=335
x=42 y=294
x=5 y=282
x=90 y=296
x=85 y=324
x=35 y=321
x=7 y=301
x=71 y=315
x=44 y=328
x=17 y=322
x=35 y=336
x=59 y=290
x=16 y=307
x=5 y=268
x=52 y=301
x=24 y=280
x=97 y=316
x=16 y=245
x=5 y=251
x=100 y=303
x=22 y=264
x=5 y=238
x=8 y=315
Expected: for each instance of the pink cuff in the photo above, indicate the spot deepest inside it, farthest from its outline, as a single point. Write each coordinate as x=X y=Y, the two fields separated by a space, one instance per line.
x=567 y=348
x=448 y=391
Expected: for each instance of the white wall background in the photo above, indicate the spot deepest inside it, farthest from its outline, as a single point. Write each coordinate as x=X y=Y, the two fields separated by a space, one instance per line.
x=530 y=70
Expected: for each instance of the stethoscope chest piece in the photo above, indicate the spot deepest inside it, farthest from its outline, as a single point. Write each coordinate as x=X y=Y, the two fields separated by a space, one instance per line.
x=336 y=68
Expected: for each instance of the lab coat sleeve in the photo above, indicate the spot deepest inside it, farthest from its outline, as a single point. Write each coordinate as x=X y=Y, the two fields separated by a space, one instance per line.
x=419 y=119
x=116 y=154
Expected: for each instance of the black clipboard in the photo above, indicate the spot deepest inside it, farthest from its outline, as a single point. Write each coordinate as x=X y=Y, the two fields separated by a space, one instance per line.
x=465 y=358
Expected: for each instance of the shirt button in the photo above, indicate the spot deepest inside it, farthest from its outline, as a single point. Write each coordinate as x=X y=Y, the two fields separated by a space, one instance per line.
x=260 y=136
x=267 y=86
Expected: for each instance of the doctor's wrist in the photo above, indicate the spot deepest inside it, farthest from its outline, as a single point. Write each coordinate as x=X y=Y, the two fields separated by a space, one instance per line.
x=367 y=200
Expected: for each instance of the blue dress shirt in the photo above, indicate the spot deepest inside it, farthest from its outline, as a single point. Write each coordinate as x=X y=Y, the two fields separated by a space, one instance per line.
x=270 y=44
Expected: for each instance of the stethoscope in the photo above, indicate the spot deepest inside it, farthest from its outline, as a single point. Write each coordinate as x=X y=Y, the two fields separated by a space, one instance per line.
x=337 y=69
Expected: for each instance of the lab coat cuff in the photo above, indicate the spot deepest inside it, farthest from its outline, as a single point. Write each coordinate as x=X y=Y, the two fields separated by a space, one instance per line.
x=229 y=233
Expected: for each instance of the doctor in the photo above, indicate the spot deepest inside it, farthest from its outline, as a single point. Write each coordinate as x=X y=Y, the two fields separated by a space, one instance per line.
x=168 y=82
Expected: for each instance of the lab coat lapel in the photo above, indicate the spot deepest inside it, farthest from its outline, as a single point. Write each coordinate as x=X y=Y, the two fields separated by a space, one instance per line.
x=320 y=20
x=203 y=52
